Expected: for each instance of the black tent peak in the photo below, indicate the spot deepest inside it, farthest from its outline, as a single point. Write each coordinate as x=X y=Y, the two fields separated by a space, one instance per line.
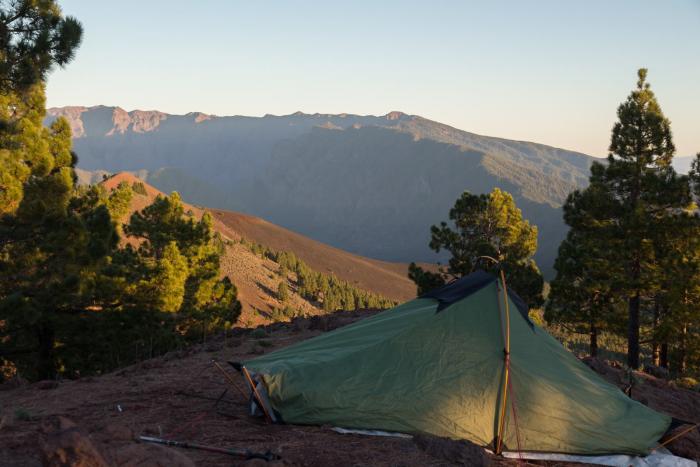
x=467 y=285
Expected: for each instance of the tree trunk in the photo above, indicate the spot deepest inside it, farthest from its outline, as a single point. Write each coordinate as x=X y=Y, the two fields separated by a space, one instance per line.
x=633 y=332
x=663 y=357
x=655 y=356
x=594 y=340
x=46 y=364
x=682 y=352
x=636 y=271
x=654 y=340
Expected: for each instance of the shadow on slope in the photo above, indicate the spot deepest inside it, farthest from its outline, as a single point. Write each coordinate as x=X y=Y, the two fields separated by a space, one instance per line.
x=377 y=191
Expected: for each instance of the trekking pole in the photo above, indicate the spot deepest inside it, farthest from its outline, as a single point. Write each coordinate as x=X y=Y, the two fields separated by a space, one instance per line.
x=238 y=452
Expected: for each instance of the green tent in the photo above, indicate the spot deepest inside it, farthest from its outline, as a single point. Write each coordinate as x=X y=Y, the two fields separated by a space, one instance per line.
x=437 y=365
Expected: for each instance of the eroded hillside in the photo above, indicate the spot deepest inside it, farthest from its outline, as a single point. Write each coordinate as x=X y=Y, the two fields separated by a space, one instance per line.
x=258 y=277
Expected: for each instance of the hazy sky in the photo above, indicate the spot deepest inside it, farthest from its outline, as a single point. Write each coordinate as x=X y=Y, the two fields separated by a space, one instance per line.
x=552 y=72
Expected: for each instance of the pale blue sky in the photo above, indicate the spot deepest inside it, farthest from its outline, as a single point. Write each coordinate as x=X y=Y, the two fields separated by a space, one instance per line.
x=546 y=71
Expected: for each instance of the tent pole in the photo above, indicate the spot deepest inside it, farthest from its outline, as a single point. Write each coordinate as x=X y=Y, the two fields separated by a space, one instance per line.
x=505 y=332
x=506 y=352
x=256 y=394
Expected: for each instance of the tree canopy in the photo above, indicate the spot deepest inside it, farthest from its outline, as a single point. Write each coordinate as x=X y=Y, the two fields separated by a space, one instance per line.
x=34 y=37
x=486 y=225
x=630 y=233
x=73 y=298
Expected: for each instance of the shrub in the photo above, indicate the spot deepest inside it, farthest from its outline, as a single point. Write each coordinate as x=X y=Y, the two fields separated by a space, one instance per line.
x=282 y=291
x=687 y=383
x=139 y=188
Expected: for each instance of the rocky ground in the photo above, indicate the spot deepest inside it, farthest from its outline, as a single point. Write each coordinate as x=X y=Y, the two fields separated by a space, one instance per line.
x=94 y=421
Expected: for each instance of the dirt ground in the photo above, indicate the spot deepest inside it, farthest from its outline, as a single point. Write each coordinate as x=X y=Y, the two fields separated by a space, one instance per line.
x=174 y=397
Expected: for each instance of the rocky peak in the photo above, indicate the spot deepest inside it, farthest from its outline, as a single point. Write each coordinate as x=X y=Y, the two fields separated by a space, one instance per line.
x=143 y=121
x=395 y=115
x=72 y=114
x=200 y=117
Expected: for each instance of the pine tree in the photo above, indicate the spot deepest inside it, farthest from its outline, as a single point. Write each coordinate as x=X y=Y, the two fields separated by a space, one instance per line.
x=118 y=201
x=205 y=296
x=34 y=36
x=164 y=288
x=626 y=227
x=583 y=295
x=69 y=297
x=678 y=291
x=675 y=332
x=694 y=176
x=640 y=178
x=425 y=280
x=51 y=240
x=283 y=291
x=486 y=225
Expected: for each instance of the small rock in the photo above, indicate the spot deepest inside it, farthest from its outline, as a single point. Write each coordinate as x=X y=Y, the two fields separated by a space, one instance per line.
x=63 y=444
x=55 y=424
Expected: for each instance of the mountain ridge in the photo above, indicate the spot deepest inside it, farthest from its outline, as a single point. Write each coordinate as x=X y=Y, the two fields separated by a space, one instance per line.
x=72 y=112
x=370 y=185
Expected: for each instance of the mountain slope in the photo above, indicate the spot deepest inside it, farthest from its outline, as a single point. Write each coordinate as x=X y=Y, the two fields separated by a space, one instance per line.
x=366 y=184
x=257 y=278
